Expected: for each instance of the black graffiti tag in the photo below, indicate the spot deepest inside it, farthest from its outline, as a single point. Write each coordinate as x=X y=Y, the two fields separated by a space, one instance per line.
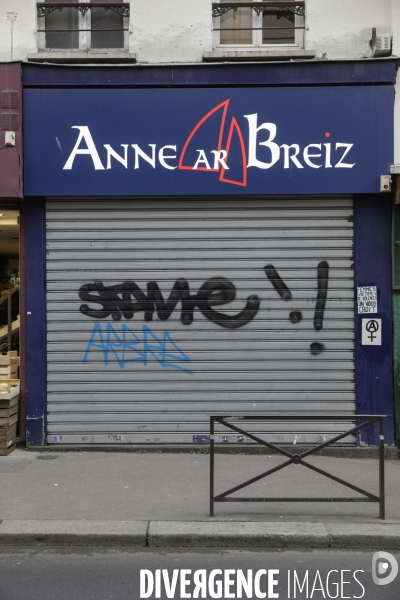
x=296 y=316
x=322 y=279
x=277 y=282
x=124 y=299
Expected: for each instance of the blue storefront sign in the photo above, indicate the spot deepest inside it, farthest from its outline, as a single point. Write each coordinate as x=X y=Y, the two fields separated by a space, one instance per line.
x=226 y=141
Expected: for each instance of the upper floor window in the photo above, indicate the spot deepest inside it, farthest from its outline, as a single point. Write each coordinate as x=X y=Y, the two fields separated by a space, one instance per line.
x=82 y=25
x=257 y=24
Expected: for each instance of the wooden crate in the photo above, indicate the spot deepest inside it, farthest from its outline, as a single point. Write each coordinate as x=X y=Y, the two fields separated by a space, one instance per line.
x=6 y=444
x=11 y=358
x=7 y=434
x=8 y=438
x=7 y=404
x=10 y=410
x=7 y=421
x=9 y=365
x=8 y=450
x=7 y=382
x=9 y=388
x=8 y=424
x=9 y=372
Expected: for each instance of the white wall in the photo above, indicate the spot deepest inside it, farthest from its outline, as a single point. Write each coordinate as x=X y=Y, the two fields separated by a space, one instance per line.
x=18 y=37
x=181 y=30
x=171 y=31
x=342 y=28
x=395 y=9
x=395 y=29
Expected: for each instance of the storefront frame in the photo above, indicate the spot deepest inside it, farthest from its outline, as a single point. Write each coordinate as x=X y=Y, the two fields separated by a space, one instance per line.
x=374 y=371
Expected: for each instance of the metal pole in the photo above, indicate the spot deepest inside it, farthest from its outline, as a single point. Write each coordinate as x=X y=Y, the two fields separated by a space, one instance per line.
x=9 y=323
x=211 y=466
x=381 y=470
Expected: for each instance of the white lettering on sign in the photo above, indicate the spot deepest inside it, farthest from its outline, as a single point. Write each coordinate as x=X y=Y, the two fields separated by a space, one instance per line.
x=162 y=158
x=269 y=143
x=262 y=142
x=111 y=153
x=219 y=159
x=85 y=136
x=371 y=332
x=307 y=156
x=202 y=160
x=367 y=299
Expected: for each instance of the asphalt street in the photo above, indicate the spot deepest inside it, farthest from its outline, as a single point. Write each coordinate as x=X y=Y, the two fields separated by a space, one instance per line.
x=37 y=573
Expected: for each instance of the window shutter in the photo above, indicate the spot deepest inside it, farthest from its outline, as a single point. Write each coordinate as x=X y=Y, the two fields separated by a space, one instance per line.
x=10 y=120
x=5 y=121
x=9 y=99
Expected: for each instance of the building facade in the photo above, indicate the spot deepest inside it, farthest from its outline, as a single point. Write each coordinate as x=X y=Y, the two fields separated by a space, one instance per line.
x=208 y=217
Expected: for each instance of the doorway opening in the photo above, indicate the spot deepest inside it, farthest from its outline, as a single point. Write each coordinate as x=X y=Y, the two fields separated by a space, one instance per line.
x=9 y=281
x=9 y=328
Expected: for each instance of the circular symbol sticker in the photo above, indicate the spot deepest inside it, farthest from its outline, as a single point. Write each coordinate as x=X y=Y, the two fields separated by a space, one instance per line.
x=372 y=327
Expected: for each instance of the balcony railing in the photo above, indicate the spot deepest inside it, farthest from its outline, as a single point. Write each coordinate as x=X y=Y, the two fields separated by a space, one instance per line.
x=82 y=25
x=259 y=23
x=285 y=7
x=46 y=8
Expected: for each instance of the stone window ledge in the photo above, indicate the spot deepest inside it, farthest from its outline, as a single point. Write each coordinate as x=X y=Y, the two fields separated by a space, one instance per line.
x=80 y=56
x=222 y=55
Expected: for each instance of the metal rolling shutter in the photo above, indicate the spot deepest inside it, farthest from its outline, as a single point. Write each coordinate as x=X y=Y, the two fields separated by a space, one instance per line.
x=128 y=380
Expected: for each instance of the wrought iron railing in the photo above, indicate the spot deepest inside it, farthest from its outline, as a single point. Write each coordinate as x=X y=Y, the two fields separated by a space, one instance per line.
x=283 y=17
x=285 y=8
x=46 y=8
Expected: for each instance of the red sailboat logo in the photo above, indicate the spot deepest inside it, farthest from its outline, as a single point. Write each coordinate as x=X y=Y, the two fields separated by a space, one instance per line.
x=234 y=137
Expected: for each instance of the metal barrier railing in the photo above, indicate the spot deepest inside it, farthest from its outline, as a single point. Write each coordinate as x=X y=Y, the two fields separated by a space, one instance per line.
x=298 y=459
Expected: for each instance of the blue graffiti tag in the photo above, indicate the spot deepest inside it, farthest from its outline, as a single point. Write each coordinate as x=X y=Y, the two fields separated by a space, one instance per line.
x=126 y=347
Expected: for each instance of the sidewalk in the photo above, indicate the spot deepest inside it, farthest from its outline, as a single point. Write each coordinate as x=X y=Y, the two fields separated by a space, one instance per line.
x=163 y=500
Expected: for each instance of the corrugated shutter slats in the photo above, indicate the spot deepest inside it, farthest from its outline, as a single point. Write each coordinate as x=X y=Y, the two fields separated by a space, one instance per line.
x=125 y=379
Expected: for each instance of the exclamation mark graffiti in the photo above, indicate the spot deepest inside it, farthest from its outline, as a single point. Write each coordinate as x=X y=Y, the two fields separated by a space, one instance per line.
x=322 y=279
x=282 y=289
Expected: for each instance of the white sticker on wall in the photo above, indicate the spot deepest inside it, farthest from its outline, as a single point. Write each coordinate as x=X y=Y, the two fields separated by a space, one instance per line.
x=371 y=332
x=367 y=299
